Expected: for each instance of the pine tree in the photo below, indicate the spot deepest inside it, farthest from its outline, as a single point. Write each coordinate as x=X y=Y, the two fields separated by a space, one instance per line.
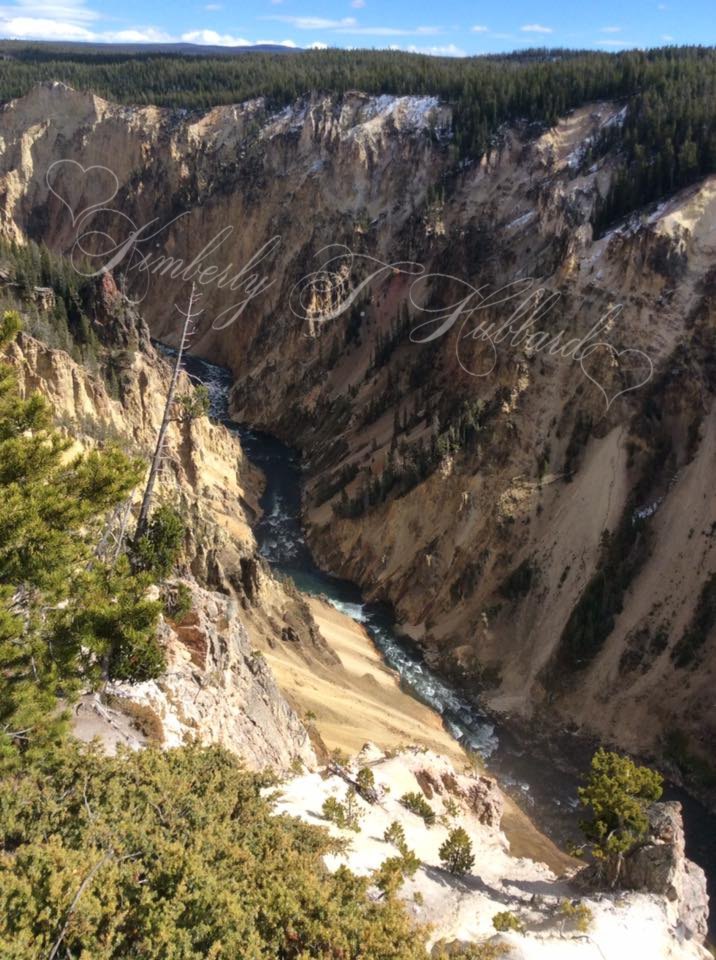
x=617 y=794
x=456 y=852
x=64 y=617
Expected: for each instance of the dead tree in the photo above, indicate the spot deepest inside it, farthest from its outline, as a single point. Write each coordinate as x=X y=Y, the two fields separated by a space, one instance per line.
x=370 y=794
x=188 y=330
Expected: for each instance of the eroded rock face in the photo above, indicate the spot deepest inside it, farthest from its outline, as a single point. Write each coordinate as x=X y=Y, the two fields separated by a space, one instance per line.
x=215 y=689
x=549 y=465
x=219 y=689
x=659 y=865
x=486 y=801
x=480 y=793
x=205 y=470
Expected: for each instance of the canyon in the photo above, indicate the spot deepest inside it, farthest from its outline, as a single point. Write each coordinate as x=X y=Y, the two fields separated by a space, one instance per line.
x=537 y=513
x=493 y=511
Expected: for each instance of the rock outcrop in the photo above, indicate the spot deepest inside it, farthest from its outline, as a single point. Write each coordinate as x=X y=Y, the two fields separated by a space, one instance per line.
x=659 y=865
x=217 y=689
x=555 y=918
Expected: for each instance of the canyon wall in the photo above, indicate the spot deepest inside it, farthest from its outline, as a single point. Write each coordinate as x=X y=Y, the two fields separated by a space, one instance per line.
x=544 y=527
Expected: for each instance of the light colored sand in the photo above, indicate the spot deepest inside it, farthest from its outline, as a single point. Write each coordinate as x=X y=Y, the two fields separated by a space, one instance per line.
x=623 y=927
x=361 y=701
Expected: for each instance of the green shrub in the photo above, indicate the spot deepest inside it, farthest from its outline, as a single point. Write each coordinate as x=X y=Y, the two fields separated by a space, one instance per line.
x=365 y=780
x=577 y=913
x=178 y=854
x=138 y=657
x=177 y=602
x=10 y=326
x=392 y=873
x=417 y=804
x=395 y=834
x=472 y=951
x=158 y=550
x=505 y=920
x=344 y=815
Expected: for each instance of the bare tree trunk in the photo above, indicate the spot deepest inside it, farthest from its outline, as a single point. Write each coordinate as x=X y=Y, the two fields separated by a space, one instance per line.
x=143 y=520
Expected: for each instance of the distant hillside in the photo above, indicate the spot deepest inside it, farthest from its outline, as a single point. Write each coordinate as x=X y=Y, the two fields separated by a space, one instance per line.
x=667 y=140
x=23 y=50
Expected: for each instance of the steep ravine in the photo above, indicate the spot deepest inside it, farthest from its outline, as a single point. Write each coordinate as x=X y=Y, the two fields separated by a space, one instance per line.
x=540 y=771
x=483 y=500
x=477 y=505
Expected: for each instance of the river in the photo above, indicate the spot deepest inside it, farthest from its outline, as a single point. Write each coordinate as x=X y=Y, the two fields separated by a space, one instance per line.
x=540 y=772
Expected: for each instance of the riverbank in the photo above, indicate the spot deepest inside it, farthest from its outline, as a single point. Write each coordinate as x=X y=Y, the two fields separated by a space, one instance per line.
x=360 y=700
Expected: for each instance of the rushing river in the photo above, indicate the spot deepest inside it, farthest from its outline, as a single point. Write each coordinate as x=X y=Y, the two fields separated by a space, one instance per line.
x=541 y=773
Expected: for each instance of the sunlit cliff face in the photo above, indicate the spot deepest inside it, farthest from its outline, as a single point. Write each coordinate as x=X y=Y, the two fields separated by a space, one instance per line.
x=469 y=478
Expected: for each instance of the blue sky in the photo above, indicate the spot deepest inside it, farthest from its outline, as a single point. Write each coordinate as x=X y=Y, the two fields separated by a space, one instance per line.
x=452 y=27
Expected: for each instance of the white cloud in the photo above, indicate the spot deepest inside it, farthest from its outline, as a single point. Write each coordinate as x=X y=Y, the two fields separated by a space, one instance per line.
x=47 y=20
x=479 y=29
x=137 y=35
x=314 y=23
x=536 y=28
x=74 y=20
x=214 y=39
x=391 y=31
x=667 y=37
x=448 y=50
x=68 y=11
x=38 y=28
x=274 y=43
x=611 y=30
x=69 y=20
x=358 y=4
x=349 y=25
x=43 y=28
x=318 y=45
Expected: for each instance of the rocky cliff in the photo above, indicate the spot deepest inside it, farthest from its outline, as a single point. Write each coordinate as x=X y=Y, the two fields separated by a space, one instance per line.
x=659 y=865
x=544 y=526
x=552 y=917
x=217 y=688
